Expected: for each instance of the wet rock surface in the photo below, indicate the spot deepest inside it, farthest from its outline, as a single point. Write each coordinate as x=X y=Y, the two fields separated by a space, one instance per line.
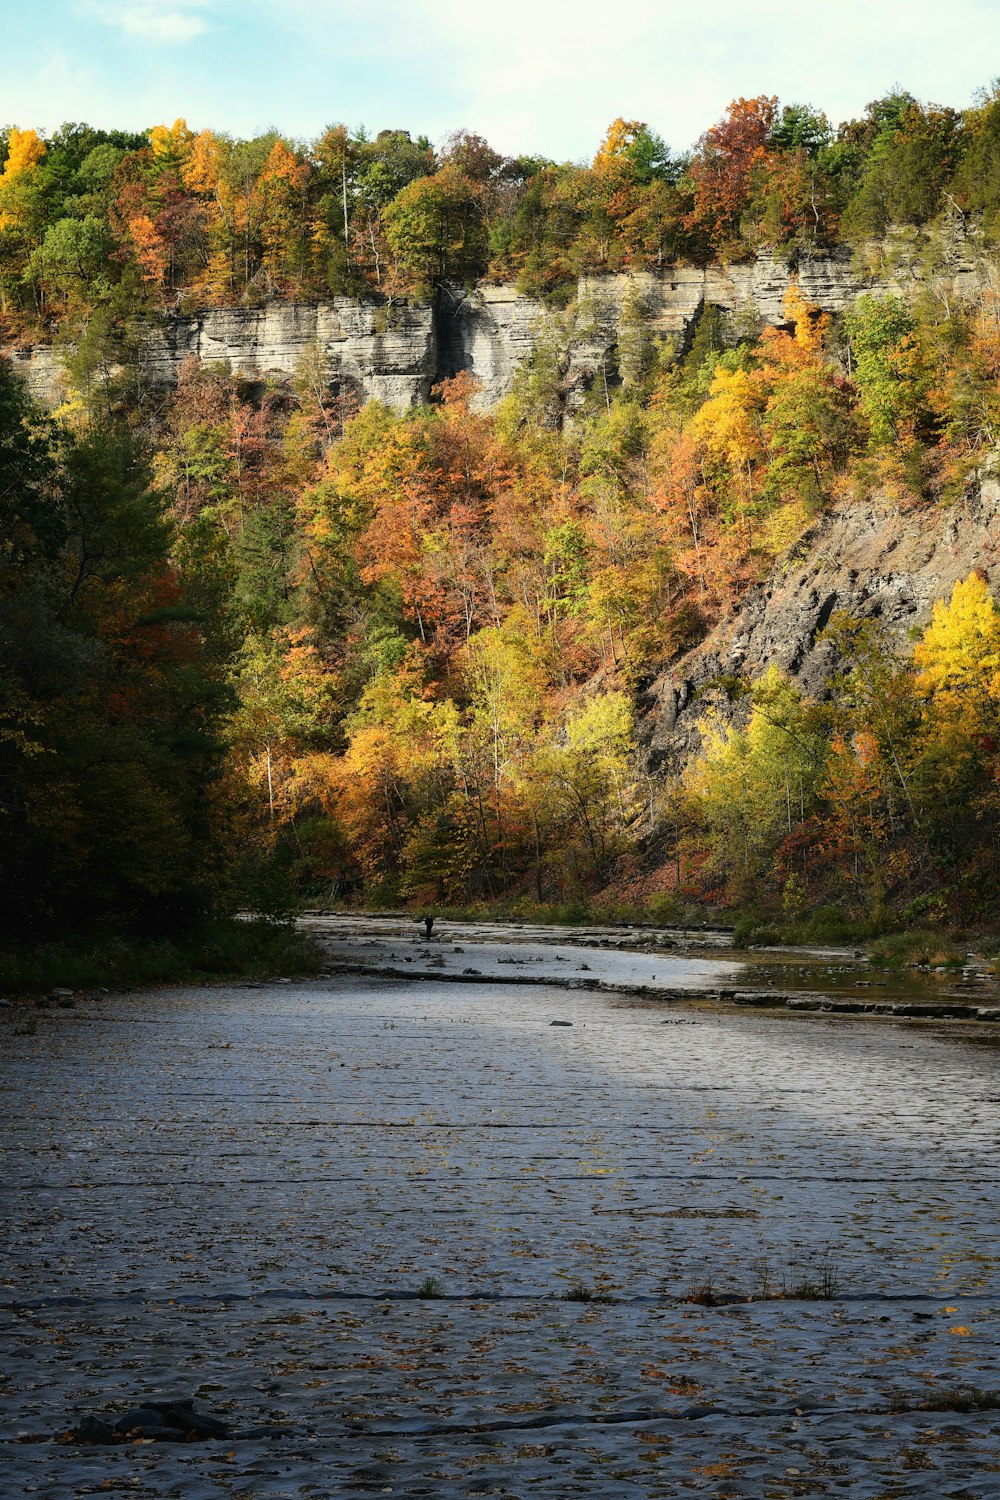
x=372 y=1227
x=662 y=965
x=627 y=959
x=158 y=1421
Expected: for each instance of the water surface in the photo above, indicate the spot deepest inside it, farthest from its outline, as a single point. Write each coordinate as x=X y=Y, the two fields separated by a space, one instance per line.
x=237 y=1192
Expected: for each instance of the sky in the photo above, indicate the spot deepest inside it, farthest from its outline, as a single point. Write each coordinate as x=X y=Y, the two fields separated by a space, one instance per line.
x=543 y=77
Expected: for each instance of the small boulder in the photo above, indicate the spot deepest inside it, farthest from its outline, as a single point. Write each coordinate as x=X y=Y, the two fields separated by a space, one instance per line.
x=147 y=1422
x=92 y=1432
x=156 y=1421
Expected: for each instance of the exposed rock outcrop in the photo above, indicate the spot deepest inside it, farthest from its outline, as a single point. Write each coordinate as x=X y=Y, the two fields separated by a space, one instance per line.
x=870 y=559
x=385 y=353
x=489 y=331
x=395 y=352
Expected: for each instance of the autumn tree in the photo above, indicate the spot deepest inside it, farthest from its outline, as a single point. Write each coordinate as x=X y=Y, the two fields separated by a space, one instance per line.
x=909 y=160
x=112 y=791
x=436 y=228
x=722 y=171
x=754 y=785
x=889 y=369
x=22 y=209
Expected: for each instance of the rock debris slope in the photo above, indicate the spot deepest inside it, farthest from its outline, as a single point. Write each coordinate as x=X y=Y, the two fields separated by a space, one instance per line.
x=870 y=559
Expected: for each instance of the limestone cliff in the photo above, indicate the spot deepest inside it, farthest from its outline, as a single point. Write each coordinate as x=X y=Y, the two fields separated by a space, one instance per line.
x=385 y=353
x=490 y=331
x=394 y=352
x=870 y=559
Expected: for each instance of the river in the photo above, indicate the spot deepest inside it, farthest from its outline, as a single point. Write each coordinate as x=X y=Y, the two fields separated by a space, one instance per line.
x=239 y=1193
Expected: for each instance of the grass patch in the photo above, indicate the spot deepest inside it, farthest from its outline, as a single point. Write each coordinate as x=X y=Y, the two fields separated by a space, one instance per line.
x=430 y=1288
x=918 y=945
x=579 y=1291
x=659 y=912
x=815 y=1281
x=703 y=1294
x=819 y=1287
x=226 y=948
x=825 y=927
x=965 y=1398
x=887 y=939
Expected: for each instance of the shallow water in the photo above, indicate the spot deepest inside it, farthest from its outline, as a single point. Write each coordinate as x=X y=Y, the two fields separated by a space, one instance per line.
x=236 y=1192
x=666 y=959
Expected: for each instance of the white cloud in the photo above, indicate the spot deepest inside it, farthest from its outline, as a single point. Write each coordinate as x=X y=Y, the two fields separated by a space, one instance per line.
x=549 y=75
x=538 y=76
x=678 y=64
x=175 y=21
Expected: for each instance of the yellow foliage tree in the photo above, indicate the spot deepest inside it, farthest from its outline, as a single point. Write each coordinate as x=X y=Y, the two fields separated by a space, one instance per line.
x=25 y=149
x=728 y=423
x=619 y=136
x=958 y=675
x=958 y=659
x=810 y=324
x=200 y=171
x=283 y=227
x=171 y=144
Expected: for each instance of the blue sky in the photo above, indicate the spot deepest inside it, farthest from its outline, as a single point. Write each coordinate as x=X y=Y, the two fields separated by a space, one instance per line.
x=545 y=76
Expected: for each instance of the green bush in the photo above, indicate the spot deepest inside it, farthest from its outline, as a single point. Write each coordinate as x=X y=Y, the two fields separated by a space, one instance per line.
x=226 y=948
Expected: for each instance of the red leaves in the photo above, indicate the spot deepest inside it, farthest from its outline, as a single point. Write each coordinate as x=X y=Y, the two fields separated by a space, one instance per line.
x=722 y=170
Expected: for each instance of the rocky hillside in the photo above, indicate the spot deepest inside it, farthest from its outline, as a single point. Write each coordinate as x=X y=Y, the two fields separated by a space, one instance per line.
x=870 y=559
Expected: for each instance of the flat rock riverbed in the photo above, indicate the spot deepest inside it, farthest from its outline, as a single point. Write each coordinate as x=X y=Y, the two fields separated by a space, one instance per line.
x=236 y=1194
x=569 y=958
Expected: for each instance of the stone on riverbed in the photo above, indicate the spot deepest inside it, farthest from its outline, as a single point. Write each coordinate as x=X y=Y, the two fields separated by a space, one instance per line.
x=159 y=1421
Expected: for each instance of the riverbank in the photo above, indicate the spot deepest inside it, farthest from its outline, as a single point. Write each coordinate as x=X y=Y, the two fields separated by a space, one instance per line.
x=664 y=965
x=225 y=948
x=886 y=936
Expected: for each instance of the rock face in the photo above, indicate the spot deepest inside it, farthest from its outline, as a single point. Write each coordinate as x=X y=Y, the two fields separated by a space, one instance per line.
x=491 y=330
x=42 y=370
x=385 y=353
x=672 y=299
x=870 y=559
x=394 y=353
x=488 y=332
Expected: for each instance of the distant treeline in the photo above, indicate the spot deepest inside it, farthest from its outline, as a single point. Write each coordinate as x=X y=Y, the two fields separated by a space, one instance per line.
x=103 y=218
x=255 y=642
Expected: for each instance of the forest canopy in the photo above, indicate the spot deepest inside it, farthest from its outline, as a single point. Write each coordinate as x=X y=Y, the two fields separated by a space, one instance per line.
x=177 y=217
x=262 y=643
